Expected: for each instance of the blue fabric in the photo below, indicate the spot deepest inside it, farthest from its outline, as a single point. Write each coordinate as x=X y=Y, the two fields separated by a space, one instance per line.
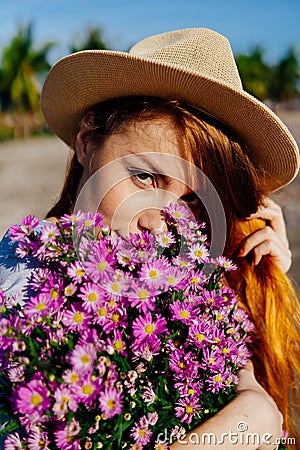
x=15 y=271
x=14 y=274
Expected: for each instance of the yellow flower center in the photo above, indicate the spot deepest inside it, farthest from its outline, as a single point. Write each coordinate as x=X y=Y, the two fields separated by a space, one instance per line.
x=194 y=280
x=115 y=287
x=149 y=328
x=111 y=403
x=142 y=432
x=102 y=311
x=54 y=293
x=115 y=317
x=142 y=294
x=92 y=297
x=177 y=215
x=171 y=280
x=36 y=399
x=118 y=345
x=78 y=317
x=219 y=317
x=85 y=359
x=198 y=253
x=217 y=378
x=79 y=272
x=189 y=409
x=65 y=399
x=200 y=337
x=184 y=314
x=153 y=274
x=40 y=306
x=87 y=389
x=101 y=266
x=74 y=378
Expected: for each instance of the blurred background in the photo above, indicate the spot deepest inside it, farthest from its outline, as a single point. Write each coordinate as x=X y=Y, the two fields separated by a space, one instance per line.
x=265 y=37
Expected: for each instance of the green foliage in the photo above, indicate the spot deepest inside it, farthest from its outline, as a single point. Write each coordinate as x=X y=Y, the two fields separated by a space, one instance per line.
x=20 y=65
x=279 y=82
x=92 y=39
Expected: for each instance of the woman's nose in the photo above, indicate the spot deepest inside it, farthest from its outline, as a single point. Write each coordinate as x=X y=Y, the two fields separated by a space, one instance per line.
x=152 y=220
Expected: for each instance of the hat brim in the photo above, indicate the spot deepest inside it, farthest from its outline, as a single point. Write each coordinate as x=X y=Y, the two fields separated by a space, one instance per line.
x=83 y=79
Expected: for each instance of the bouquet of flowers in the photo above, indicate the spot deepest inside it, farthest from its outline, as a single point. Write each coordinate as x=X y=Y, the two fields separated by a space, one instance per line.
x=123 y=342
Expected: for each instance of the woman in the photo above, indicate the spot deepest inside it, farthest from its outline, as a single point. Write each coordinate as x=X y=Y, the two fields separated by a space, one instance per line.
x=170 y=122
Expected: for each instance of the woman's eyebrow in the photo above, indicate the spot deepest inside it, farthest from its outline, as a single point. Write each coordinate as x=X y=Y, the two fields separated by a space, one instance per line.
x=136 y=158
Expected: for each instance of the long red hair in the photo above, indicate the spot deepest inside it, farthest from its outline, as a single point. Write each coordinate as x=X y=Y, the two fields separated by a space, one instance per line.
x=264 y=291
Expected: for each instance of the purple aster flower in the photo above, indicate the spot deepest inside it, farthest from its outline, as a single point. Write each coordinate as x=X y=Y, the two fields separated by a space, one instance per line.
x=75 y=318
x=49 y=233
x=199 y=252
x=110 y=401
x=140 y=432
x=153 y=274
x=86 y=390
x=142 y=297
x=99 y=263
x=178 y=213
x=38 y=306
x=32 y=400
x=92 y=296
x=64 y=401
x=13 y=442
x=187 y=409
x=76 y=272
x=38 y=440
x=82 y=358
x=165 y=239
x=67 y=437
x=146 y=328
x=184 y=311
x=28 y=225
x=224 y=262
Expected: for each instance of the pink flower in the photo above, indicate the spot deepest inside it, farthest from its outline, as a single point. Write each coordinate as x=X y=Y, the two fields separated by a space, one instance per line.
x=141 y=433
x=199 y=252
x=37 y=440
x=86 y=390
x=49 y=233
x=187 y=408
x=38 y=306
x=153 y=274
x=92 y=296
x=76 y=318
x=32 y=400
x=82 y=358
x=145 y=328
x=110 y=402
x=64 y=401
x=13 y=442
x=66 y=438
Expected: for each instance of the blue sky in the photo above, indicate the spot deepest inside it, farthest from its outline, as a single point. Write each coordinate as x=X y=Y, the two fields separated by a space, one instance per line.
x=273 y=24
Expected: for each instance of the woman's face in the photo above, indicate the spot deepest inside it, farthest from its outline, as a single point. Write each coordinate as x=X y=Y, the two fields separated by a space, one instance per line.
x=139 y=170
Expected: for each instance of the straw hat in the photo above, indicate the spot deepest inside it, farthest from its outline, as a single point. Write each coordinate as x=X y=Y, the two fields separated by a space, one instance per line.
x=194 y=65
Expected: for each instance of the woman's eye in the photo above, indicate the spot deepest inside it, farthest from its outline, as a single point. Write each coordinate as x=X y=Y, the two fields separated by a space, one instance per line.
x=144 y=178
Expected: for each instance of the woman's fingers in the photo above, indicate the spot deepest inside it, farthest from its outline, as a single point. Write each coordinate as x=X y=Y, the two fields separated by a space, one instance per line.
x=271 y=240
x=271 y=212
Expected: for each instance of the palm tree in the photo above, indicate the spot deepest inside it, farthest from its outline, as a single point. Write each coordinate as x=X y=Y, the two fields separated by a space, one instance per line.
x=286 y=76
x=255 y=73
x=91 y=40
x=20 y=65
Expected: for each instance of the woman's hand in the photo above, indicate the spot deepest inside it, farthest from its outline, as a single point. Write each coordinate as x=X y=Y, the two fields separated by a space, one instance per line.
x=251 y=413
x=270 y=240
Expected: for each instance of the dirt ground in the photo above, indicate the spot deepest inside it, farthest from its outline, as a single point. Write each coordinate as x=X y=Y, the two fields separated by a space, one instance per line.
x=31 y=174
